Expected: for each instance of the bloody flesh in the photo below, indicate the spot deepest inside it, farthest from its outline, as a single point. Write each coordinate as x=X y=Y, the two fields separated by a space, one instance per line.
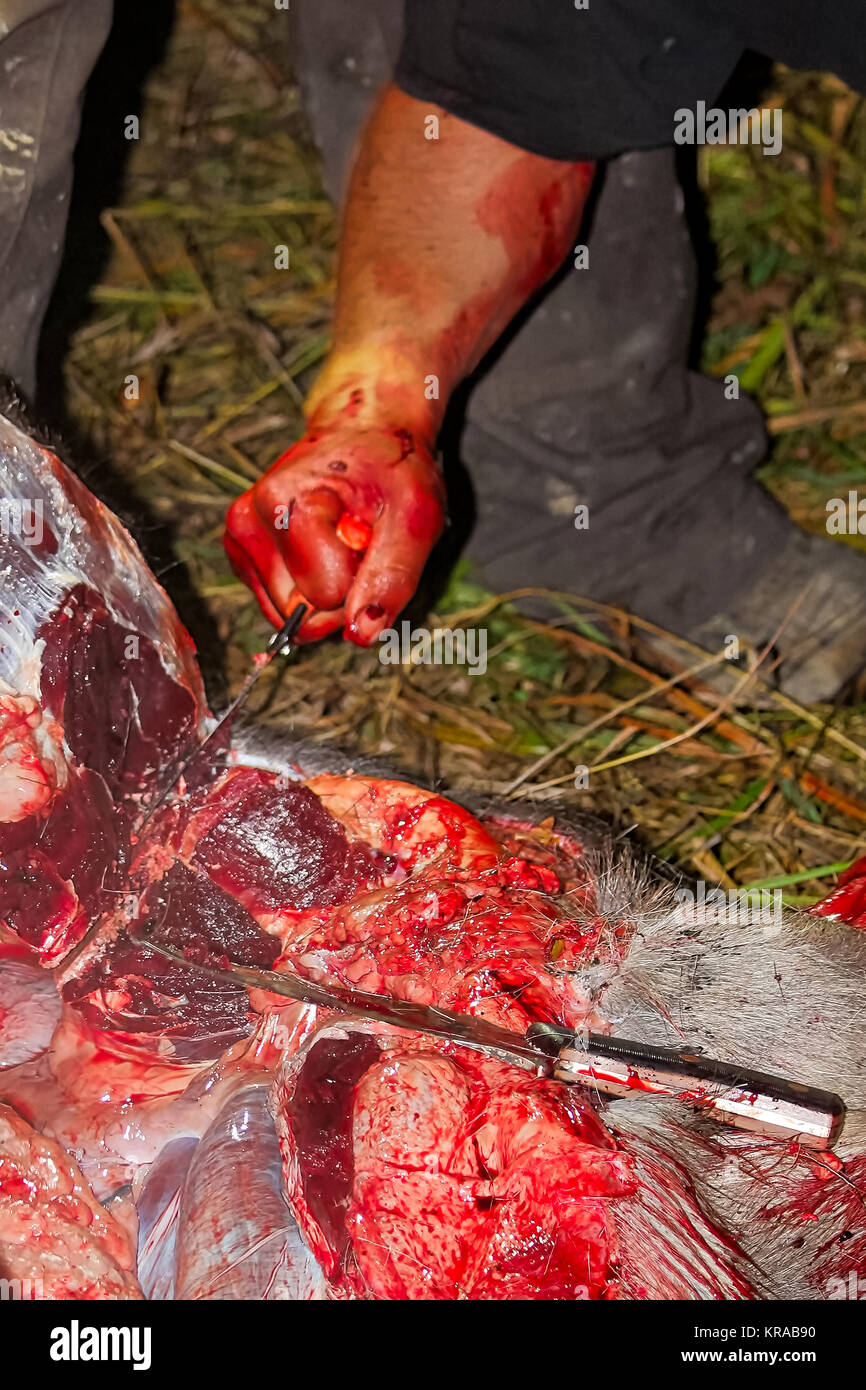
x=122 y=715
x=276 y=846
x=413 y=1168
x=320 y=1117
x=475 y=1180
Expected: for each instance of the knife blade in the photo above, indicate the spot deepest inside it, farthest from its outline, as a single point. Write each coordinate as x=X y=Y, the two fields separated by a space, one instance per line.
x=400 y=1013
x=726 y=1091
x=280 y=644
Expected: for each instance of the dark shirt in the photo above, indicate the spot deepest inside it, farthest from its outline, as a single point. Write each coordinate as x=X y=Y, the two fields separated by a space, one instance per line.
x=587 y=83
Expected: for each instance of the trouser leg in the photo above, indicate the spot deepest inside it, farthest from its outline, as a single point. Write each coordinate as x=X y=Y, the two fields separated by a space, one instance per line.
x=591 y=403
x=45 y=62
x=343 y=52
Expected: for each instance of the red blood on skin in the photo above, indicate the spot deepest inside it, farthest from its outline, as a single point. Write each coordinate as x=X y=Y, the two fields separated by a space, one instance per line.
x=422 y=517
x=354 y=403
x=505 y=211
x=550 y=252
x=406 y=442
x=354 y=532
x=534 y=247
x=399 y=277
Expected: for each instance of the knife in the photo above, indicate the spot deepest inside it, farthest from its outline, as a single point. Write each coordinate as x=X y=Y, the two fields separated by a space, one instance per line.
x=735 y=1095
x=280 y=644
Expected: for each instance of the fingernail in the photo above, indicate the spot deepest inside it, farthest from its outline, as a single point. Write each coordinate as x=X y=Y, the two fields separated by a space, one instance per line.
x=363 y=625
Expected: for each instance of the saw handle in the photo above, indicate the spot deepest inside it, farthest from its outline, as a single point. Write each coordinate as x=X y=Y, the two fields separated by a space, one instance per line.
x=749 y=1100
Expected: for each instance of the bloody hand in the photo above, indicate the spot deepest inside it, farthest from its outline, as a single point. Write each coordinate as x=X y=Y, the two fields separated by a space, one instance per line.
x=345 y=520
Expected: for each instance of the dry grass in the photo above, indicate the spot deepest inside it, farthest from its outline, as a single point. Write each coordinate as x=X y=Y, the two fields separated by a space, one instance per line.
x=224 y=344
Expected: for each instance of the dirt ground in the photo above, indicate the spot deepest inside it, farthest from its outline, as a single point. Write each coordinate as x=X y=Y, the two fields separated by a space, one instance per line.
x=175 y=283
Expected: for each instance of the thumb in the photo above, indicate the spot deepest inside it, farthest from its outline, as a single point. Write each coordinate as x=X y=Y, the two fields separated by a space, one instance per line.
x=390 y=571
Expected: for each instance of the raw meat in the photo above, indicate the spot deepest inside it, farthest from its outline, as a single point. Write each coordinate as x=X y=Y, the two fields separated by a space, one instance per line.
x=421 y=1175
x=56 y=1241
x=412 y=1168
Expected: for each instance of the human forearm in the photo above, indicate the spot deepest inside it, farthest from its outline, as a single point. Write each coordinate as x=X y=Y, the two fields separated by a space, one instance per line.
x=443 y=241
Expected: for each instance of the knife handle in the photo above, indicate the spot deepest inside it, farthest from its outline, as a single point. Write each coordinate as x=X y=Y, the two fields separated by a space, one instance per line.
x=749 y=1100
x=282 y=639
